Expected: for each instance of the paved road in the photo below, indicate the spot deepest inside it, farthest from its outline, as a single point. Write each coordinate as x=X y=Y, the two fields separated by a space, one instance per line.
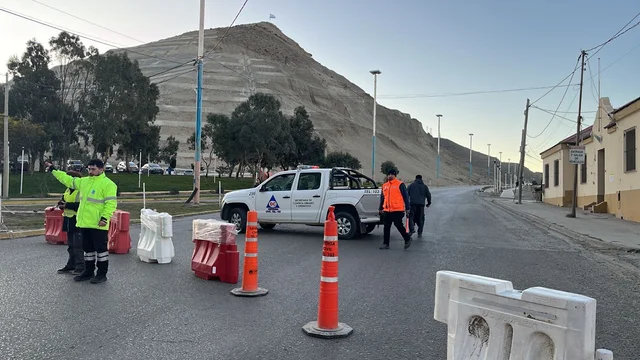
x=150 y=311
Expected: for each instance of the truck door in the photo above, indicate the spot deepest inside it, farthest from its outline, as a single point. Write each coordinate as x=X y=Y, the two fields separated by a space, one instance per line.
x=308 y=197
x=273 y=200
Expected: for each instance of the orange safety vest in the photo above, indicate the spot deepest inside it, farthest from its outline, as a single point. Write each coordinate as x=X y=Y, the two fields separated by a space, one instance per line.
x=393 y=200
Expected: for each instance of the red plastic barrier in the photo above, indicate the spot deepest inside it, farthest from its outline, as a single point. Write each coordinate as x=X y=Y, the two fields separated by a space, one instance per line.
x=53 y=221
x=119 y=236
x=211 y=260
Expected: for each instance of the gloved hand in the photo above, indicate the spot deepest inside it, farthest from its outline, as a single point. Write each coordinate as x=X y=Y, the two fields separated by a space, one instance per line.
x=429 y=204
x=49 y=166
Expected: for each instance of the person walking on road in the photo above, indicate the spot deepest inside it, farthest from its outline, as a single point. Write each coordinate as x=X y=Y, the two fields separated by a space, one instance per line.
x=394 y=204
x=418 y=192
x=97 y=204
x=69 y=204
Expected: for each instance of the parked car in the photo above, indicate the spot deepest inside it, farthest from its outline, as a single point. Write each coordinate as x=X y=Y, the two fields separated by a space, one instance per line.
x=75 y=165
x=152 y=169
x=122 y=167
x=109 y=168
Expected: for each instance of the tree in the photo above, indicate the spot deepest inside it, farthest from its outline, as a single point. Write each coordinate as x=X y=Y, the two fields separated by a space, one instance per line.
x=342 y=159
x=34 y=94
x=28 y=135
x=120 y=108
x=308 y=147
x=70 y=54
x=169 y=150
x=206 y=144
x=388 y=165
x=173 y=163
x=224 y=138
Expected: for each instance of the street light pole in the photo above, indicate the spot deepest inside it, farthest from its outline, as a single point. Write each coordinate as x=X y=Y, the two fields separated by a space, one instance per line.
x=509 y=173
x=198 y=137
x=500 y=176
x=470 y=157
x=489 y=161
x=21 y=170
x=140 y=169
x=375 y=74
x=5 y=177
x=438 y=157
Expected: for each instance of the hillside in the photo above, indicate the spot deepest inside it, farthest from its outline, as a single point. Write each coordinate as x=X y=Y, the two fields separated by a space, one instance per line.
x=260 y=58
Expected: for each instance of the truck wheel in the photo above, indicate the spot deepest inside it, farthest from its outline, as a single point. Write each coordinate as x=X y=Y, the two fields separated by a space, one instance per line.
x=238 y=217
x=347 y=225
x=267 y=226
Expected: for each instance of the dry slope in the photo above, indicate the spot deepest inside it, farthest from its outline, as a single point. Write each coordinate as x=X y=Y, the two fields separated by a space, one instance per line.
x=260 y=58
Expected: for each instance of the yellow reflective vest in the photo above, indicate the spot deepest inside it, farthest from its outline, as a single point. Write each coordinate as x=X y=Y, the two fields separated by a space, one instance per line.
x=98 y=200
x=70 y=197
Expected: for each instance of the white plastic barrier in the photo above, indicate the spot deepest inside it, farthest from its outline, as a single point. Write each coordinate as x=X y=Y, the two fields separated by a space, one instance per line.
x=155 y=244
x=487 y=319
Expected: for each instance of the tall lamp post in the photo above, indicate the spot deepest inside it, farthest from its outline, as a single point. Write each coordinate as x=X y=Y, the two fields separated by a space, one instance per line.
x=500 y=176
x=470 y=157
x=438 y=157
x=375 y=74
x=489 y=161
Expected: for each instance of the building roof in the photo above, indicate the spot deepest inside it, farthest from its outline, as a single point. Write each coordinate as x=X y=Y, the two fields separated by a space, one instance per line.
x=612 y=123
x=571 y=140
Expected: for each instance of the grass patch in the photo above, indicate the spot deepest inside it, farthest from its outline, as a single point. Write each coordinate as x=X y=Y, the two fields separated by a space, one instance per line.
x=29 y=221
x=40 y=184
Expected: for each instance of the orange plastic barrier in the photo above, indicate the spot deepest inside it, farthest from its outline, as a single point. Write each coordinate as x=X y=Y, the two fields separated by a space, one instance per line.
x=327 y=325
x=215 y=254
x=250 y=268
x=119 y=236
x=53 y=221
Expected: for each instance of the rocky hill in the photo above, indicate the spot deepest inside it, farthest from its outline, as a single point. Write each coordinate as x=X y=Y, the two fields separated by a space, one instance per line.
x=260 y=58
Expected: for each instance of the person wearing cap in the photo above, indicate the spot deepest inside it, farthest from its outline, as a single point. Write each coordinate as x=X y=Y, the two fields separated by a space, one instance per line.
x=418 y=192
x=98 y=202
x=394 y=205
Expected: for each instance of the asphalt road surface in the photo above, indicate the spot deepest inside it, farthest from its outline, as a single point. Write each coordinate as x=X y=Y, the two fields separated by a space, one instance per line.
x=149 y=311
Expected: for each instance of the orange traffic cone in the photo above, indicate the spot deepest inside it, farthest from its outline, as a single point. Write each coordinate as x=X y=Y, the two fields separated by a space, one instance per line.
x=250 y=271
x=327 y=325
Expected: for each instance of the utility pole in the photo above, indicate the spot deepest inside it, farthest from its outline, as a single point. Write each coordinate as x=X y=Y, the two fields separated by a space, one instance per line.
x=500 y=176
x=523 y=145
x=575 y=168
x=198 y=145
x=470 y=157
x=438 y=157
x=489 y=161
x=5 y=178
x=375 y=74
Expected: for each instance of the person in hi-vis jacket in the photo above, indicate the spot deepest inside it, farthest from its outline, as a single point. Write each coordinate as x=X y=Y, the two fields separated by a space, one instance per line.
x=97 y=205
x=69 y=204
x=394 y=205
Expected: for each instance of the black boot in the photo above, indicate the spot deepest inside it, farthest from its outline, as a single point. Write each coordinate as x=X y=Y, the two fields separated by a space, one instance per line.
x=87 y=274
x=65 y=270
x=101 y=275
x=407 y=241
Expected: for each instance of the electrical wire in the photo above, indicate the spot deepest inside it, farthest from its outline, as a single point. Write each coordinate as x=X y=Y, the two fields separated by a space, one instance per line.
x=557 y=108
x=11 y=12
x=554 y=114
x=228 y=28
x=561 y=81
x=616 y=35
x=87 y=21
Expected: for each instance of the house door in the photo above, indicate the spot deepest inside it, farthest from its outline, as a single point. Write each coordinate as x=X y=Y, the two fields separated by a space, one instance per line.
x=601 y=176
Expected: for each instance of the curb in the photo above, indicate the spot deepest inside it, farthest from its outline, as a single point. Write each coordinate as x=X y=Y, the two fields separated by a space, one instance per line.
x=39 y=232
x=540 y=222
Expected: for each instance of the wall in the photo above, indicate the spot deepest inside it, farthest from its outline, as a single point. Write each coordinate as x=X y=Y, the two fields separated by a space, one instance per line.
x=562 y=194
x=587 y=192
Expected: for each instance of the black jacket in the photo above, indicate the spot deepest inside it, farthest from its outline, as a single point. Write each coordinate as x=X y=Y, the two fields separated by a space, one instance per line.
x=418 y=191
x=69 y=223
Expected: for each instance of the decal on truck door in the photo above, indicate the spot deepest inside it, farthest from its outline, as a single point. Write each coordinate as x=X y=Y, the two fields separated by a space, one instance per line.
x=272 y=206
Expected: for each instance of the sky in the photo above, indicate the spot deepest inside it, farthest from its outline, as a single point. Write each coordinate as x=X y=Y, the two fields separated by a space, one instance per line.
x=429 y=53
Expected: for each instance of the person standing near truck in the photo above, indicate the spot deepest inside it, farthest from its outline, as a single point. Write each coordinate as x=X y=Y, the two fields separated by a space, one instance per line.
x=418 y=192
x=394 y=205
x=97 y=204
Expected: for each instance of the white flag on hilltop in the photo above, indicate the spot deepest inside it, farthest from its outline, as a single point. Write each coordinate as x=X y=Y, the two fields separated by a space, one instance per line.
x=271 y=16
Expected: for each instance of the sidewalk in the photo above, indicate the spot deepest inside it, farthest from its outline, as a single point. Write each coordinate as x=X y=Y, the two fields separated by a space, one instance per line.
x=586 y=226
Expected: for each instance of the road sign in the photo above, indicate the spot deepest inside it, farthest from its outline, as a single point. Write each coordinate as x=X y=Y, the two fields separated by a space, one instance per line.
x=576 y=155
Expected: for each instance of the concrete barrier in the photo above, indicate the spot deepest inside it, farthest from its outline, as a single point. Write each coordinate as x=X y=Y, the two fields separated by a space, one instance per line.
x=487 y=319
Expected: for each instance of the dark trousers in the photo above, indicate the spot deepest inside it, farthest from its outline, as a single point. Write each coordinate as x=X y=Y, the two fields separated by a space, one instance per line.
x=417 y=217
x=94 y=243
x=75 y=250
x=394 y=218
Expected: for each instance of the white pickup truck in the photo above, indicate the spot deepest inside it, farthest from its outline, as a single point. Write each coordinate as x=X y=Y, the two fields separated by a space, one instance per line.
x=303 y=196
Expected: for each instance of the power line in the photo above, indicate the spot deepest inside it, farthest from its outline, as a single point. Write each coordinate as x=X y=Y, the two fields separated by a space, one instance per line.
x=81 y=35
x=228 y=28
x=561 y=81
x=557 y=107
x=616 y=35
x=87 y=21
x=566 y=112
x=550 y=136
x=618 y=59
x=554 y=114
